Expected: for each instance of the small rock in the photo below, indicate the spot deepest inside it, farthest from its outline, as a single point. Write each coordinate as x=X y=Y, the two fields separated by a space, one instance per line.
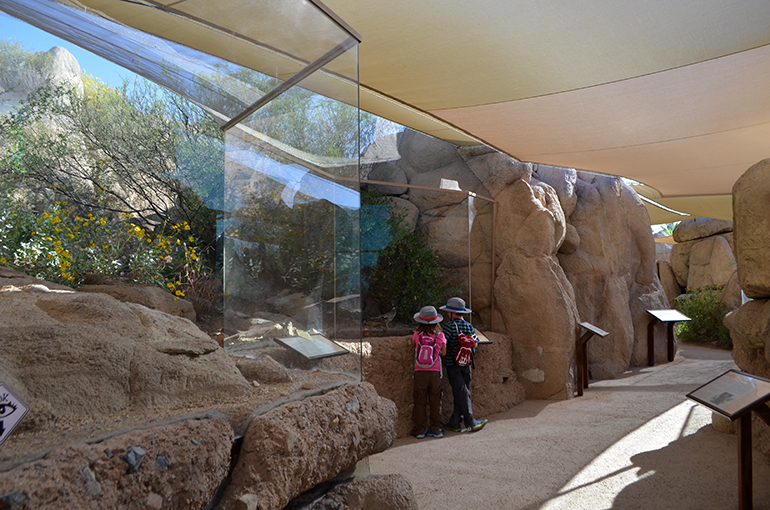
x=195 y=442
x=255 y=383
x=134 y=456
x=161 y=462
x=247 y=502
x=353 y=406
x=92 y=486
x=154 y=501
x=10 y=499
x=108 y=453
x=335 y=422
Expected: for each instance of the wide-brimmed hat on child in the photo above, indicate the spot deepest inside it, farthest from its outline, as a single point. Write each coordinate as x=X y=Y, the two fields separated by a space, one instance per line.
x=428 y=315
x=456 y=305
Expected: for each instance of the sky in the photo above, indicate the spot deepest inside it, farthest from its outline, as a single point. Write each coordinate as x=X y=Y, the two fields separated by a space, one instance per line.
x=34 y=39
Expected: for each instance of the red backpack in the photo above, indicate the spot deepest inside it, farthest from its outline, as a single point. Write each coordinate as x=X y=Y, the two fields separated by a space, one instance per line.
x=426 y=352
x=464 y=353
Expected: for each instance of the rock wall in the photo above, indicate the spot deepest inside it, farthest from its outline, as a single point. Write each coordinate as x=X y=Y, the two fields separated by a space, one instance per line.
x=703 y=255
x=568 y=247
x=749 y=325
x=389 y=366
x=135 y=408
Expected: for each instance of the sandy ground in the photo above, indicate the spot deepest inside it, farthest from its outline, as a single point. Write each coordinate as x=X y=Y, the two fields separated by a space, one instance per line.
x=635 y=442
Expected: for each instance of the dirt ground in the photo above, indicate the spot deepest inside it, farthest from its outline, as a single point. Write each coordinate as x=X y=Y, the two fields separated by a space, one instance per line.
x=635 y=442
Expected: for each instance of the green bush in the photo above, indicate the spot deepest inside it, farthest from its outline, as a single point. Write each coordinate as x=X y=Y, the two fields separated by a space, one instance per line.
x=707 y=311
x=408 y=274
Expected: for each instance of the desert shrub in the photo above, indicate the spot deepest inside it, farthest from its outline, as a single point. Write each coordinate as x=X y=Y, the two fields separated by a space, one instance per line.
x=64 y=247
x=408 y=274
x=707 y=311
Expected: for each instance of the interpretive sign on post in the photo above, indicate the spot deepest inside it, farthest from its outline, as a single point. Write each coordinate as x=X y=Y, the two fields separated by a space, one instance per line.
x=735 y=395
x=669 y=317
x=582 y=354
x=12 y=410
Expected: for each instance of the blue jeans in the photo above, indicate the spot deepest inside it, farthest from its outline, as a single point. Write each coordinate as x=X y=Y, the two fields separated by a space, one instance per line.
x=460 y=381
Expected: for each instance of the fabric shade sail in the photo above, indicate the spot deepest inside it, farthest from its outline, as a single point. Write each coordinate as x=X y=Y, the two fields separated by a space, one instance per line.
x=672 y=95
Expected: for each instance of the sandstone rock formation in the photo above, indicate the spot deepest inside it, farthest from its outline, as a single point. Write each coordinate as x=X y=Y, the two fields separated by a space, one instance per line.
x=568 y=247
x=293 y=448
x=63 y=69
x=751 y=213
x=154 y=298
x=135 y=408
x=180 y=465
x=88 y=353
x=370 y=492
x=703 y=256
x=749 y=325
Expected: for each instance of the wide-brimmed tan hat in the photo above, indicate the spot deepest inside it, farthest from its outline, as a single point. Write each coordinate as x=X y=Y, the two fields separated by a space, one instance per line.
x=428 y=315
x=456 y=305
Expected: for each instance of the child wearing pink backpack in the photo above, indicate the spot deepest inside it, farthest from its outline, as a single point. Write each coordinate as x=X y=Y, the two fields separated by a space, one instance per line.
x=429 y=347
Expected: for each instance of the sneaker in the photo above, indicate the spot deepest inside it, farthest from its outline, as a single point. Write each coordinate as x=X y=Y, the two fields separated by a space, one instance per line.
x=453 y=429
x=477 y=425
x=421 y=435
x=437 y=434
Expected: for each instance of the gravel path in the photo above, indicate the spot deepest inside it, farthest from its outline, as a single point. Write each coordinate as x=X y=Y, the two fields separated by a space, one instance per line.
x=635 y=442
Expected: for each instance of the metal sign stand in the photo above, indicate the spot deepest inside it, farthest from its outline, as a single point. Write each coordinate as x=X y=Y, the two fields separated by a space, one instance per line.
x=582 y=354
x=735 y=395
x=669 y=317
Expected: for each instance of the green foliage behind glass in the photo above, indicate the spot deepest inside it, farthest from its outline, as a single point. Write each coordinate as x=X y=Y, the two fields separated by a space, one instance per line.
x=408 y=274
x=707 y=311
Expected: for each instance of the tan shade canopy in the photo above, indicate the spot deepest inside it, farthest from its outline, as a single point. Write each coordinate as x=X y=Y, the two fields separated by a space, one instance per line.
x=672 y=94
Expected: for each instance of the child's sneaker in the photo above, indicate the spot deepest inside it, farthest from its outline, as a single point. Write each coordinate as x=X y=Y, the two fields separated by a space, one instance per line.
x=422 y=434
x=437 y=434
x=452 y=429
x=477 y=425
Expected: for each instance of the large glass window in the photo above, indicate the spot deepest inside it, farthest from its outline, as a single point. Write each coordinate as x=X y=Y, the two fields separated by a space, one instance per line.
x=280 y=175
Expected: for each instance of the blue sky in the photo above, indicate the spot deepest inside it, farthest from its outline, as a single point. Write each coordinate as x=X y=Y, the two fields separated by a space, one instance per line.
x=34 y=39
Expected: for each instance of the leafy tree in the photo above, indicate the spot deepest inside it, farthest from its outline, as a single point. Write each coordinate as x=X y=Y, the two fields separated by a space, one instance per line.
x=117 y=151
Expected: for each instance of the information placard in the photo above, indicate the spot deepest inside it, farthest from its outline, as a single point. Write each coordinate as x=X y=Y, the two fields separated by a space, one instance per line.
x=733 y=393
x=668 y=315
x=316 y=347
x=482 y=338
x=593 y=329
x=12 y=410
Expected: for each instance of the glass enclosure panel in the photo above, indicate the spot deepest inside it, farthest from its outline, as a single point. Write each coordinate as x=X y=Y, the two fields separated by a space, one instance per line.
x=225 y=87
x=291 y=231
x=481 y=220
x=276 y=195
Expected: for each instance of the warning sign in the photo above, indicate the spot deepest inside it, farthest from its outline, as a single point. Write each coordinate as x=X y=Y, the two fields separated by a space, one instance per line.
x=12 y=410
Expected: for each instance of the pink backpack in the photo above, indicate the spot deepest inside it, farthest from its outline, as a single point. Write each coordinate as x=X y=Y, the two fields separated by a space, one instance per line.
x=426 y=352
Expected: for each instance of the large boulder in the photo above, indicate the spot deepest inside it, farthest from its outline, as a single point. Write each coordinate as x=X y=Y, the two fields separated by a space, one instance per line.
x=88 y=353
x=699 y=228
x=291 y=449
x=751 y=214
x=531 y=283
x=613 y=274
x=749 y=326
x=176 y=466
x=154 y=298
x=370 y=492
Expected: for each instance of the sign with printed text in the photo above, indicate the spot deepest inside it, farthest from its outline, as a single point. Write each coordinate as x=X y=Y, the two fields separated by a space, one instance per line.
x=12 y=410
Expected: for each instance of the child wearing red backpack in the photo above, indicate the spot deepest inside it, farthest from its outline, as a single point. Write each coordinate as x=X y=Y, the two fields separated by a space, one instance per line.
x=429 y=347
x=458 y=367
